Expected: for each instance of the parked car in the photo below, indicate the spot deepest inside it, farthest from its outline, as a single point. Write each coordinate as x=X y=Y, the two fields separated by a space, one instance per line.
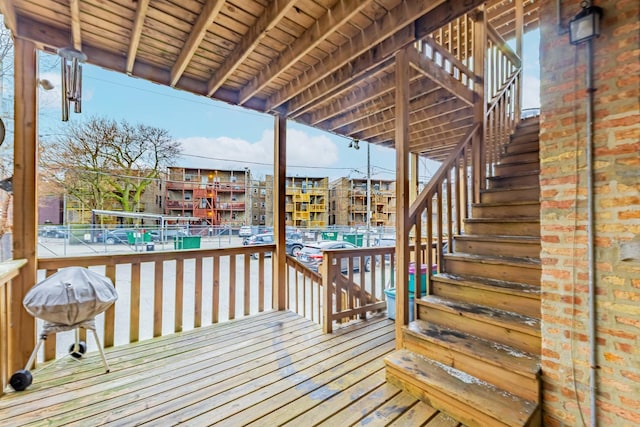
x=117 y=235
x=245 y=231
x=293 y=243
x=311 y=255
x=58 y=231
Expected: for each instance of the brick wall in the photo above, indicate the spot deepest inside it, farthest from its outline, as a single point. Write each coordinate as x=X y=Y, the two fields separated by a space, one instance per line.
x=565 y=354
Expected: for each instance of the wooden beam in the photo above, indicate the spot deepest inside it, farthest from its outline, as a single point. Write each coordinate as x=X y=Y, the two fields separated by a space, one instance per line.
x=272 y=16
x=76 y=34
x=480 y=104
x=8 y=11
x=402 y=193
x=440 y=76
x=279 y=209
x=207 y=15
x=136 y=32
x=22 y=332
x=339 y=15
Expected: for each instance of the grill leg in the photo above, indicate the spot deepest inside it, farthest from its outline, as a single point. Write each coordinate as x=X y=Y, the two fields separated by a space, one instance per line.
x=34 y=353
x=101 y=350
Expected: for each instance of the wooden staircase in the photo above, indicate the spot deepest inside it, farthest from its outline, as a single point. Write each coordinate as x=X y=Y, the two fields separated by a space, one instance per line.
x=474 y=350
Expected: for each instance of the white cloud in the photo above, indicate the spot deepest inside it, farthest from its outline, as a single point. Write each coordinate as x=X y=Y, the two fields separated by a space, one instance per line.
x=232 y=153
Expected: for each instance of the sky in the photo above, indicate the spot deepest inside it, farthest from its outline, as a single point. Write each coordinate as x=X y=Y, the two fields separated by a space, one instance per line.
x=215 y=135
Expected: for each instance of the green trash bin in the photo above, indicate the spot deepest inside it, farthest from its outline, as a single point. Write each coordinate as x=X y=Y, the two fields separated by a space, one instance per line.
x=356 y=239
x=329 y=235
x=191 y=242
x=178 y=243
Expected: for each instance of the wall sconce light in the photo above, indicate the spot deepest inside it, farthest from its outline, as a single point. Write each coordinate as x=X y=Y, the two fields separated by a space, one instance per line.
x=356 y=144
x=586 y=24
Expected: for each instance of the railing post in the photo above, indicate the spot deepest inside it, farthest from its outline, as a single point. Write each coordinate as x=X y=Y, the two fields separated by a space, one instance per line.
x=480 y=102
x=327 y=301
x=22 y=333
x=279 y=191
x=402 y=192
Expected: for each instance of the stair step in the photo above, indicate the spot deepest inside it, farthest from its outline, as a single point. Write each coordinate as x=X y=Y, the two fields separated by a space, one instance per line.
x=532 y=156
x=507 y=368
x=494 y=195
x=524 y=226
x=509 y=168
x=522 y=146
x=516 y=246
x=511 y=296
x=509 y=269
x=511 y=209
x=516 y=179
x=525 y=135
x=464 y=397
x=492 y=324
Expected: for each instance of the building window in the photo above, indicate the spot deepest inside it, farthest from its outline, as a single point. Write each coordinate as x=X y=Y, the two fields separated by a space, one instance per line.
x=233 y=178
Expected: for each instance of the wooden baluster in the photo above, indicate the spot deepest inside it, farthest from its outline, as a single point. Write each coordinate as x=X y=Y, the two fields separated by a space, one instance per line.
x=134 y=305
x=247 y=286
x=215 y=292
x=50 y=343
x=110 y=314
x=179 y=295
x=158 y=297
x=232 y=285
x=261 y=284
x=197 y=310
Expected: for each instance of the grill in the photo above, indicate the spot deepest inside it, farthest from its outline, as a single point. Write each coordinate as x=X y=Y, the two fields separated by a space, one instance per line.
x=67 y=300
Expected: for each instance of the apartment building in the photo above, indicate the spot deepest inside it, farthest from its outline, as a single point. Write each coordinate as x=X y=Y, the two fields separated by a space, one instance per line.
x=306 y=201
x=217 y=197
x=348 y=202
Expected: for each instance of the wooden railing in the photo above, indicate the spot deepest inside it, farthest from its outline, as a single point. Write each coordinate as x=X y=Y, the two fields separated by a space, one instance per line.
x=353 y=282
x=166 y=292
x=503 y=74
x=304 y=290
x=446 y=199
x=8 y=270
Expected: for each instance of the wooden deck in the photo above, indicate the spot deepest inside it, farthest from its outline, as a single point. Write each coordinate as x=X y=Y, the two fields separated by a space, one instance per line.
x=275 y=368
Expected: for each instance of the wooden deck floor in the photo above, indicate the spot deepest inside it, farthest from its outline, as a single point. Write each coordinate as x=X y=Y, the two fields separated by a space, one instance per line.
x=271 y=369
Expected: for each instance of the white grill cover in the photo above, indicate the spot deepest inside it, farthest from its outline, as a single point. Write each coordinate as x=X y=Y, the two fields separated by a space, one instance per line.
x=70 y=296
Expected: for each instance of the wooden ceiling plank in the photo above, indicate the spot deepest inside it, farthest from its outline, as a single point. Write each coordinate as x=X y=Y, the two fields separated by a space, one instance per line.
x=136 y=32
x=440 y=76
x=395 y=20
x=209 y=12
x=273 y=14
x=76 y=34
x=372 y=59
x=424 y=88
x=342 y=12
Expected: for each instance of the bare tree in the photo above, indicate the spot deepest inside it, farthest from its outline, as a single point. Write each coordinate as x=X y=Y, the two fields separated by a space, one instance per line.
x=106 y=164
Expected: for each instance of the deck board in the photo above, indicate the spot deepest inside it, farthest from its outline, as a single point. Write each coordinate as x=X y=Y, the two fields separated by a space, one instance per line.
x=275 y=368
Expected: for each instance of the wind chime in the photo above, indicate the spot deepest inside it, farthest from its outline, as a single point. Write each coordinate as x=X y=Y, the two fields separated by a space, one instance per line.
x=71 y=80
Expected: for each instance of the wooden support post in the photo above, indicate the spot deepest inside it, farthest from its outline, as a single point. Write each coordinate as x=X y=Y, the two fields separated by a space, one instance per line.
x=402 y=193
x=519 y=31
x=22 y=333
x=480 y=103
x=415 y=180
x=279 y=192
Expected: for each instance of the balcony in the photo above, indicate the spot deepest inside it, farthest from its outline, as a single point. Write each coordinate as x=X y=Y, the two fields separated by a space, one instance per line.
x=231 y=206
x=178 y=204
x=234 y=187
x=175 y=356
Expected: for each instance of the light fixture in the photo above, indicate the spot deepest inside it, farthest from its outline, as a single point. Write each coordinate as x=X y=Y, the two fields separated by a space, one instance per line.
x=586 y=24
x=356 y=144
x=350 y=144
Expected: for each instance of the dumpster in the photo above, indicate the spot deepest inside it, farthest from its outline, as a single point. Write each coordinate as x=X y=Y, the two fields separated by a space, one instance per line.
x=356 y=239
x=186 y=242
x=138 y=237
x=329 y=235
